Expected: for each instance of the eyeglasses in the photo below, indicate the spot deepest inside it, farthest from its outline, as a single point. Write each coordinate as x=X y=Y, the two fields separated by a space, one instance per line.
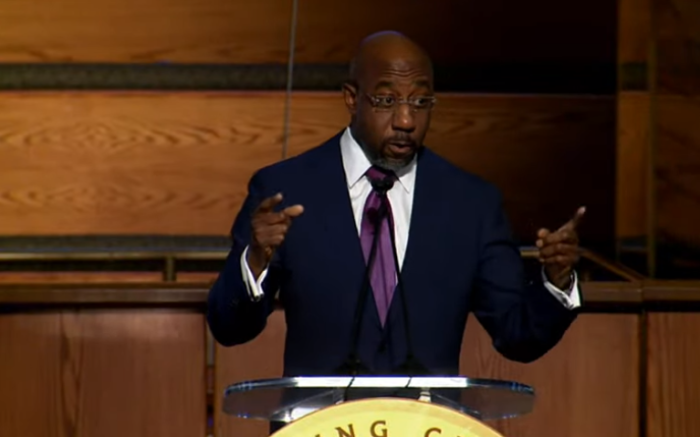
x=386 y=103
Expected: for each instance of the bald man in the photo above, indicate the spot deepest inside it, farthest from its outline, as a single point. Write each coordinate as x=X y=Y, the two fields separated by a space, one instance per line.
x=333 y=230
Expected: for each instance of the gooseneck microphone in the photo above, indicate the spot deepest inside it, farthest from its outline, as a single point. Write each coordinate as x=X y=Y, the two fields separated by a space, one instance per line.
x=353 y=365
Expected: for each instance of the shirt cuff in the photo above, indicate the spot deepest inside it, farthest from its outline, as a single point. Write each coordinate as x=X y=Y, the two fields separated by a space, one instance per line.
x=571 y=299
x=254 y=287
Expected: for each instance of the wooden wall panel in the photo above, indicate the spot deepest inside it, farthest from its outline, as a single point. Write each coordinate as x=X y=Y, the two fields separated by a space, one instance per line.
x=145 y=31
x=678 y=168
x=463 y=32
x=258 y=359
x=677 y=36
x=547 y=154
x=102 y=373
x=673 y=377
x=150 y=163
x=587 y=385
x=633 y=161
x=677 y=114
x=633 y=31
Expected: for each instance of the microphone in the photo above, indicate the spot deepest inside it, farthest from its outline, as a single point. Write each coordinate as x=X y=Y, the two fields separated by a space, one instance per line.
x=353 y=366
x=411 y=366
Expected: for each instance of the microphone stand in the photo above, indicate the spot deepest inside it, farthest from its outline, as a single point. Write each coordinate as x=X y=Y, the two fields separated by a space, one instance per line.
x=353 y=366
x=411 y=366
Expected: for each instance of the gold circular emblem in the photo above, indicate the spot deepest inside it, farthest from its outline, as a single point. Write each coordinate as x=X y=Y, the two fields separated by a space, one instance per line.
x=387 y=418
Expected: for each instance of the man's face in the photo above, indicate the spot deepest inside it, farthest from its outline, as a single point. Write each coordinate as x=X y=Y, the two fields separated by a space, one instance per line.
x=391 y=105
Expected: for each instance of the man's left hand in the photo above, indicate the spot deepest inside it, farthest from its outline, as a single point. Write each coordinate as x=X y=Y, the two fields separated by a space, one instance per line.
x=558 y=251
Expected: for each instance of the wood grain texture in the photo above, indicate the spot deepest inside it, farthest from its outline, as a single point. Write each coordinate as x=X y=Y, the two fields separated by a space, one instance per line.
x=587 y=385
x=194 y=295
x=115 y=163
x=677 y=24
x=548 y=155
x=633 y=161
x=673 y=376
x=678 y=168
x=463 y=32
x=102 y=373
x=258 y=359
x=145 y=31
x=633 y=31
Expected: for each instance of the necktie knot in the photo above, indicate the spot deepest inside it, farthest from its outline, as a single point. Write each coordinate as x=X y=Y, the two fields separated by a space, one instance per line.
x=381 y=180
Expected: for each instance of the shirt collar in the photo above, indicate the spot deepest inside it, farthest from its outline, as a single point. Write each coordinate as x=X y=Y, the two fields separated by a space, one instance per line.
x=356 y=164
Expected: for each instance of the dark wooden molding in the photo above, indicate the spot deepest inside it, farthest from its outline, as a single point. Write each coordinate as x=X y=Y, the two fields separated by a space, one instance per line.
x=510 y=78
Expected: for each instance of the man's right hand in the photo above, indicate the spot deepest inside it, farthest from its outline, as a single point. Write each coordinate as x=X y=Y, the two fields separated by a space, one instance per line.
x=268 y=231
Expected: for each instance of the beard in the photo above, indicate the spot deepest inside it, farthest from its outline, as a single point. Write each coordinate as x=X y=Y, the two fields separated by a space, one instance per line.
x=394 y=164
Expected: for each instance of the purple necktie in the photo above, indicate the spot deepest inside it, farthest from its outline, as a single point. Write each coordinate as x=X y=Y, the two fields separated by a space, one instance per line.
x=383 y=269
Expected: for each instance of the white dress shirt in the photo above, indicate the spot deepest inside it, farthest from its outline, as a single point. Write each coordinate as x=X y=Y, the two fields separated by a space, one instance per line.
x=400 y=197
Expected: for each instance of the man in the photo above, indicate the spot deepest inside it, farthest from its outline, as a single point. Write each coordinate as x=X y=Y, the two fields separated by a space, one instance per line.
x=303 y=234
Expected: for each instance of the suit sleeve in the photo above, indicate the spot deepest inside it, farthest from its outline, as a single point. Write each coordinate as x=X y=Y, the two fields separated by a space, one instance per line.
x=233 y=316
x=524 y=320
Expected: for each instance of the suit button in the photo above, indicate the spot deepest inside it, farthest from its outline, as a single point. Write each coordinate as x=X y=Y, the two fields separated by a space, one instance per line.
x=382 y=346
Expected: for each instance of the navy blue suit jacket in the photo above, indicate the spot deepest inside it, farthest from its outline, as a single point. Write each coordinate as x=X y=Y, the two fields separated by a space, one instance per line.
x=460 y=258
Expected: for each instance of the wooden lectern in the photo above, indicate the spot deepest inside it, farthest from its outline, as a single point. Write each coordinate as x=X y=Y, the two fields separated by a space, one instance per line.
x=375 y=406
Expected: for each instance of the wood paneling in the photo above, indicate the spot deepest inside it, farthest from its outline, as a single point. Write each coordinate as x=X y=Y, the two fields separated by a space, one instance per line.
x=677 y=25
x=548 y=155
x=162 y=163
x=152 y=163
x=587 y=385
x=633 y=31
x=463 y=32
x=102 y=373
x=633 y=155
x=150 y=31
x=673 y=376
x=258 y=359
x=678 y=168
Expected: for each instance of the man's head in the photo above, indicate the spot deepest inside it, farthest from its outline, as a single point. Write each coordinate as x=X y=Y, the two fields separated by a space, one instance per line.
x=390 y=98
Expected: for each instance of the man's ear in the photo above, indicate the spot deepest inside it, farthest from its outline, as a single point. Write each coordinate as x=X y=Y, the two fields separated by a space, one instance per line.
x=350 y=96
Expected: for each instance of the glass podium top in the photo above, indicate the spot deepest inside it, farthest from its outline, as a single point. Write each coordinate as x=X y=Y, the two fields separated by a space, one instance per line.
x=288 y=399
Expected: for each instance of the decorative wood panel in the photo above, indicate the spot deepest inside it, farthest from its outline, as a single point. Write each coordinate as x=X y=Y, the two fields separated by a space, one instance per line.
x=677 y=25
x=587 y=385
x=548 y=155
x=121 y=163
x=678 y=168
x=102 y=373
x=632 y=161
x=258 y=359
x=145 y=31
x=673 y=377
x=634 y=31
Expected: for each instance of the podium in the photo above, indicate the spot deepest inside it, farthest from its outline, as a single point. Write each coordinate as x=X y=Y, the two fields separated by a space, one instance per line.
x=377 y=406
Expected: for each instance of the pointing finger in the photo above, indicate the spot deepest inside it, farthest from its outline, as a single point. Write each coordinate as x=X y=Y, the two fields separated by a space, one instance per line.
x=541 y=235
x=574 y=222
x=268 y=204
x=293 y=211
